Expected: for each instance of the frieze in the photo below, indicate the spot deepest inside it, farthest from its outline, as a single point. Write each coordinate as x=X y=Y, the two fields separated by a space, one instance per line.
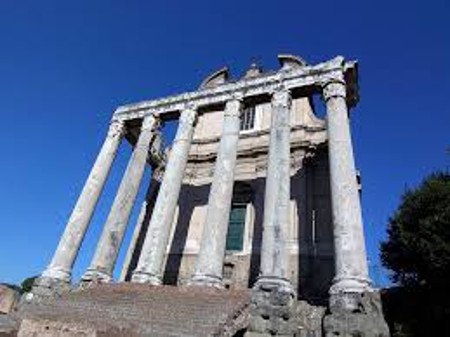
x=315 y=75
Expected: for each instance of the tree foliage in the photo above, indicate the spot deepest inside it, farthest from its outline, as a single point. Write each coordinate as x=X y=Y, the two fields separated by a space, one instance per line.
x=27 y=284
x=418 y=246
x=417 y=251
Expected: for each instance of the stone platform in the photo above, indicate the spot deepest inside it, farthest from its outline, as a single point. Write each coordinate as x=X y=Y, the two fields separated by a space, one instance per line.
x=137 y=310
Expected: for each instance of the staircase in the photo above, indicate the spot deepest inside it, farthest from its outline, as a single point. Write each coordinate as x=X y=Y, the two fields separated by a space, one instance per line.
x=128 y=309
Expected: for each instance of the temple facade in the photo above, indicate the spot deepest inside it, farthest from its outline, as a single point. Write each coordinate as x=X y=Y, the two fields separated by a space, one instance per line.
x=256 y=191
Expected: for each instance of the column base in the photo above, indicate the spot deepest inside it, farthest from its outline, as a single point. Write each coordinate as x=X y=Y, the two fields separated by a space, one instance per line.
x=64 y=275
x=202 y=280
x=355 y=314
x=95 y=276
x=143 y=277
x=272 y=307
x=48 y=286
x=350 y=285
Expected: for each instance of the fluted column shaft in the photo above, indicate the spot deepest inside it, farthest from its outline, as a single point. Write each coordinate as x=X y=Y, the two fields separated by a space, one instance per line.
x=209 y=267
x=150 y=265
x=274 y=260
x=60 y=268
x=350 y=252
x=105 y=256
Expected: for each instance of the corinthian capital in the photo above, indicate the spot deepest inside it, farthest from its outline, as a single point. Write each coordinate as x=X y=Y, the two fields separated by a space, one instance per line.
x=189 y=114
x=281 y=97
x=116 y=128
x=333 y=89
x=148 y=122
x=233 y=107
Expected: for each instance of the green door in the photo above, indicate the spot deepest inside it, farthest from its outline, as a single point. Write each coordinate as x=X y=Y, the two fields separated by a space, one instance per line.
x=236 y=224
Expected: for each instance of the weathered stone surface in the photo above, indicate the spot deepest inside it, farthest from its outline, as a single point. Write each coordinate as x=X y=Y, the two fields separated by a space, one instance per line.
x=60 y=267
x=210 y=260
x=301 y=77
x=293 y=221
x=48 y=328
x=355 y=315
x=130 y=309
x=9 y=297
x=273 y=296
x=308 y=319
x=108 y=247
x=8 y=326
x=150 y=265
x=141 y=227
x=272 y=308
x=350 y=252
x=47 y=286
x=277 y=195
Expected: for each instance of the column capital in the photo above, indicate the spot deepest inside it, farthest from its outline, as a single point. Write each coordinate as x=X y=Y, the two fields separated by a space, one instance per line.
x=148 y=122
x=116 y=128
x=281 y=96
x=237 y=96
x=334 y=88
x=233 y=107
x=189 y=114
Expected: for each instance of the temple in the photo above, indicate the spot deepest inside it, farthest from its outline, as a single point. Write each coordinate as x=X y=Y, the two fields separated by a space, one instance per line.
x=257 y=191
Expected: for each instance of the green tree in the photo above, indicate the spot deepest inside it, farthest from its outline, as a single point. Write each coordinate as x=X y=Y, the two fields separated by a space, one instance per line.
x=417 y=251
x=27 y=284
x=418 y=246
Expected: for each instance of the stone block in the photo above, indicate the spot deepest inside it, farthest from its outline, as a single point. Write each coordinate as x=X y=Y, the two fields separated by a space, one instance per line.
x=46 y=328
x=9 y=297
x=46 y=286
x=8 y=326
x=271 y=308
x=355 y=315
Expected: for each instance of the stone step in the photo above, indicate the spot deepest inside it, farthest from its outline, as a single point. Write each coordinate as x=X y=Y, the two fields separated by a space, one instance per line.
x=139 y=310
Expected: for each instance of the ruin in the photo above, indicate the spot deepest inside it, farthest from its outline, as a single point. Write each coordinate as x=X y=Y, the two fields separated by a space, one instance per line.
x=256 y=192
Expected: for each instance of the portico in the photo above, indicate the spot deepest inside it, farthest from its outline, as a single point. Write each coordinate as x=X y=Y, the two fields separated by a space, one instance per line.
x=270 y=158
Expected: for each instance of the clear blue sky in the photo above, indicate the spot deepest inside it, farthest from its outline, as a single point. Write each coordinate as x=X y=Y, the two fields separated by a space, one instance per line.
x=65 y=66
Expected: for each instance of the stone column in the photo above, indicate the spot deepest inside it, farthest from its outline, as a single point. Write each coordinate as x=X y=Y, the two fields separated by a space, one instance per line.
x=350 y=251
x=209 y=267
x=105 y=256
x=274 y=261
x=60 y=267
x=150 y=265
x=273 y=294
x=141 y=227
x=354 y=306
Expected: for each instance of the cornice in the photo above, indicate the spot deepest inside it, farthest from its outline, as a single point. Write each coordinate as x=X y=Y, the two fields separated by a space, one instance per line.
x=292 y=78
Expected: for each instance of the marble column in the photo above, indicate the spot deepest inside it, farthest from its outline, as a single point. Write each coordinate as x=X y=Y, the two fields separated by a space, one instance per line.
x=150 y=265
x=274 y=259
x=209 y=266
x=273 y=296
x=105 y=256
x=140 y=230
x=60 y=267
x=350 y=252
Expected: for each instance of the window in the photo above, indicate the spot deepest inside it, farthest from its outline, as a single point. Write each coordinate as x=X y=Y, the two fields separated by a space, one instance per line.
x=236 y=225
x=248 y=118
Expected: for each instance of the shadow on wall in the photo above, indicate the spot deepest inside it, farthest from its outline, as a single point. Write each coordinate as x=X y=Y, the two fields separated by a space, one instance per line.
x=192 y=197
x=311 y=192
x=316 y=262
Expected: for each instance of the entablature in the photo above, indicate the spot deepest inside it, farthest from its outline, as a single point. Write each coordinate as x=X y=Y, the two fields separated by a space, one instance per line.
x=291 y=78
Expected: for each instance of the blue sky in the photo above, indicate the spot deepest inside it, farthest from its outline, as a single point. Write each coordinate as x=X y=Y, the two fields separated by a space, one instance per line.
x=65 y=66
